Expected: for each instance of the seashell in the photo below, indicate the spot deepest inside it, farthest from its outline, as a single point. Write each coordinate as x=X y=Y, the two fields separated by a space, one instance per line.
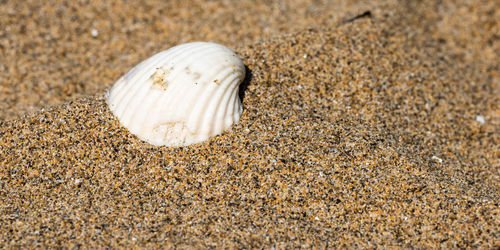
x=180 y=96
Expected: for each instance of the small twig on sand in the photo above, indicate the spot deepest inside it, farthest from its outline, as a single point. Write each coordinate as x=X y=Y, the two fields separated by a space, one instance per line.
x=362 y=15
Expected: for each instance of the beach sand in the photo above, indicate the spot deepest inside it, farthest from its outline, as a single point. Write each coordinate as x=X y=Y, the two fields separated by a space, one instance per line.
x=381 y=130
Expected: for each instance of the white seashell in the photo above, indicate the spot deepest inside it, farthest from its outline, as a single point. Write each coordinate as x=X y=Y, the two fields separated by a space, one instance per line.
x=180 y=96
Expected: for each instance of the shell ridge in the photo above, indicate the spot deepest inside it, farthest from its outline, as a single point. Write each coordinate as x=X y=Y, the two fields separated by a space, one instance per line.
x=186 y=58
x=134 y=85
x=199 y=94
x=158 y=58
x=201 y=106
x=238 y=107
x=155 y=62
x=173 y=91
x=229 y=111
x=131 y=77
x=227 y=73
x=141 y=115
x=213 y=108
x=230 y=108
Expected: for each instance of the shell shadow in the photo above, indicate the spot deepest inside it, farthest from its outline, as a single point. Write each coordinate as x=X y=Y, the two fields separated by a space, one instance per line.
x=244 y=85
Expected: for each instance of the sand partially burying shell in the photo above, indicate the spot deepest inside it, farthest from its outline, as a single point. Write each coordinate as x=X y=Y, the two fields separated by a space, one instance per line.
x=356 y=134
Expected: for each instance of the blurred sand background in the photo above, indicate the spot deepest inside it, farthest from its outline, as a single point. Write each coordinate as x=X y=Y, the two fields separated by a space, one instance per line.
x=381 y=130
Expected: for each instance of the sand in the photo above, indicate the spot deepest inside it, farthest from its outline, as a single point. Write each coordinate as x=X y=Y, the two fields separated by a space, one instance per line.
x=381 y=130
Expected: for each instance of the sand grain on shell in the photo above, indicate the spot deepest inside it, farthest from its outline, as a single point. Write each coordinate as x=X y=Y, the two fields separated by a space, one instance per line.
x=338 y=145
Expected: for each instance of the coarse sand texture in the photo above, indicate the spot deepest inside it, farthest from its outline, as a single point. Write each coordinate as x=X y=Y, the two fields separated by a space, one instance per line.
x=357 y=131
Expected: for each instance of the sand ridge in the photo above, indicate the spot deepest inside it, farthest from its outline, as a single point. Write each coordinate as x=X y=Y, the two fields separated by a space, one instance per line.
x=68 y=49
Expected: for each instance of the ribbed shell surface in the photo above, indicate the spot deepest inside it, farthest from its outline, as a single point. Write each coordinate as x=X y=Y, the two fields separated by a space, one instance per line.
x=180 y=96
